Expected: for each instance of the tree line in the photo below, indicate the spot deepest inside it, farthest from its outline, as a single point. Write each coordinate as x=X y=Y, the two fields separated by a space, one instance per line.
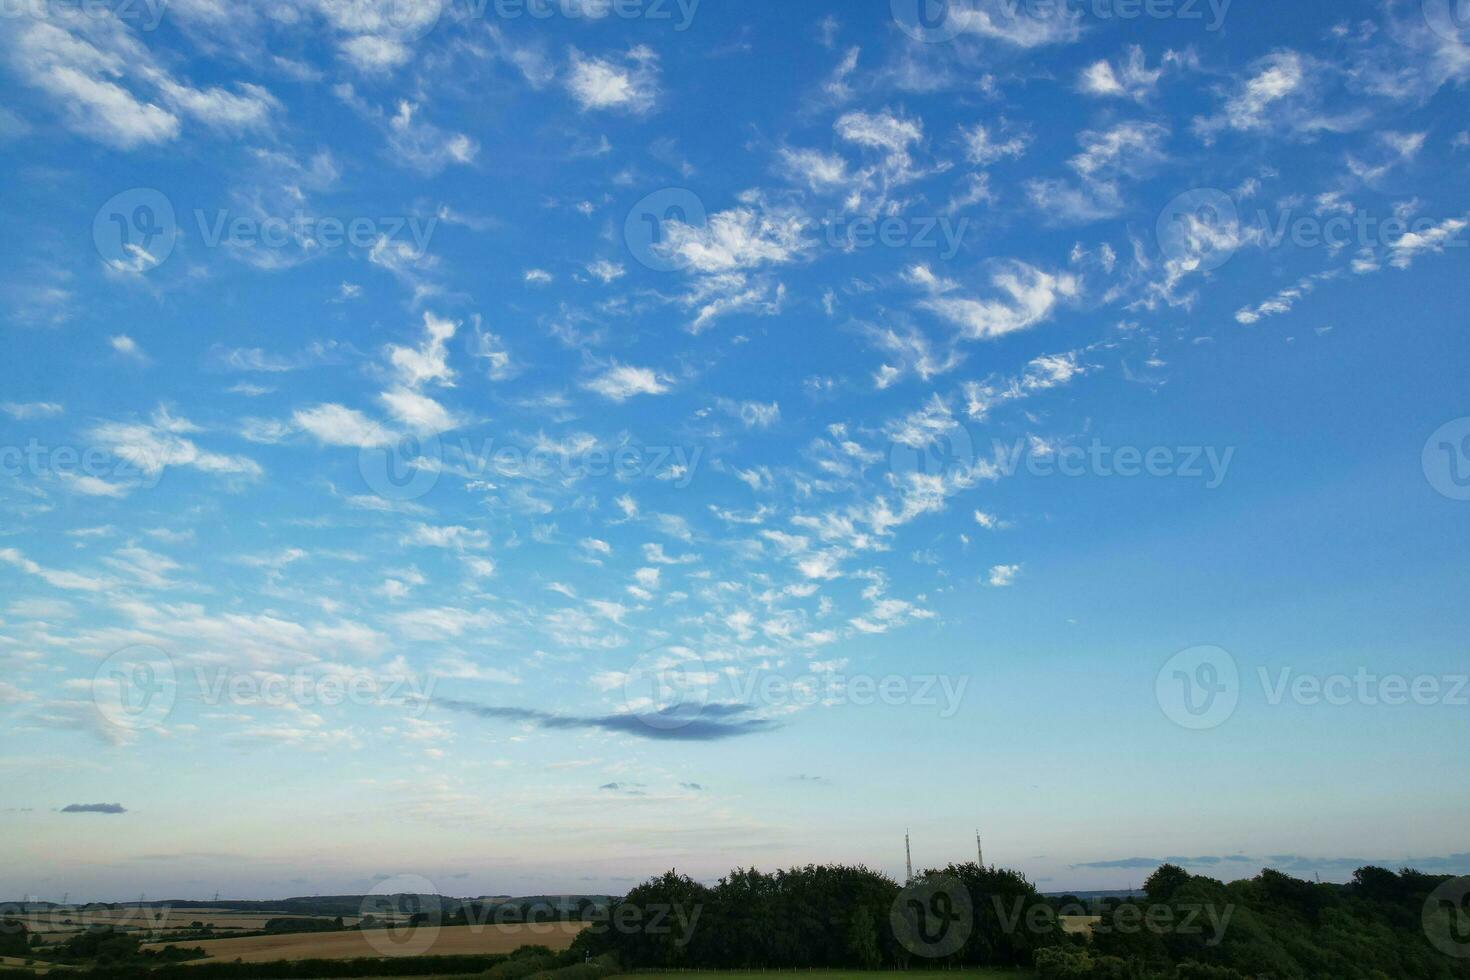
x=834 y=916
x=1379 y=926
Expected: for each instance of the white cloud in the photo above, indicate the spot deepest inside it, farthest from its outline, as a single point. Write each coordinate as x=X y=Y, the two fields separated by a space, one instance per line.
x=1435 y=238
x=622 y=381
x=1042 y=373
x=127 y=347
x=337 y=425
x=604 y=84
x=606 y=271
x=418 y=412
x=455 y=537
x=422 y=145
x=983 y=149
x=109 y=87
x=1003 y=575
x=489 y=348
x=1129 y=149
x=25 y=411
x=91 y=486
x=1029 y=296
x=160 y=443
x=754 y=415
x=1130 y=77
x=1282 y=92
x=819 y=171
x=52 y=577
x=429 y=361
x=737 y=239
x=1018 y=24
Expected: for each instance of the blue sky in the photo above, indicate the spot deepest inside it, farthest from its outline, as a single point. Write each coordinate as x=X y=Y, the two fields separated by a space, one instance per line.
x=729 y=434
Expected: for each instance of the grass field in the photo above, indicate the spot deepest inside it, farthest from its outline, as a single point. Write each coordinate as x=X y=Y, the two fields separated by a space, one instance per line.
x=452 y=941
x=975 y=974
x=968 y=974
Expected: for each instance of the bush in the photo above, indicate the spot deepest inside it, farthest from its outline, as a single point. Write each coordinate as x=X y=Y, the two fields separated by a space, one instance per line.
x=14 y=940
x=603 y=966
x=1063 y=963
x=520 y=965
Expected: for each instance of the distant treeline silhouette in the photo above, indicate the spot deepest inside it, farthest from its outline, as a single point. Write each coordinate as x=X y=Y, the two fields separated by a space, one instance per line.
x=815 y=916
x=1380 y=926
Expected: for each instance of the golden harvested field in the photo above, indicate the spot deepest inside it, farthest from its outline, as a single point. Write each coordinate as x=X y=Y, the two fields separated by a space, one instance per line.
x=1079 y=924
x=452 y=941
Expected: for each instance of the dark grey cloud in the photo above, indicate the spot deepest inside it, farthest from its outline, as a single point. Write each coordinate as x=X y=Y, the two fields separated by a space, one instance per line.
x=1295 y=864
x=679 y=723
x=804 y=778
x=628 y=789
x=1441 y=864
x=94 y=808
x=1206 y=860
x=1125 y=863
x=694 y=786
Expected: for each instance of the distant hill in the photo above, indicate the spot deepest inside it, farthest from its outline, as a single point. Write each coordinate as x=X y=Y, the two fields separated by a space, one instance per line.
x=326 y=905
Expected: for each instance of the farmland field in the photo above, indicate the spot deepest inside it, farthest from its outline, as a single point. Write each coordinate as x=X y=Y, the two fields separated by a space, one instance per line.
x=152 y=918
x=451 y=941
x=1079 y=924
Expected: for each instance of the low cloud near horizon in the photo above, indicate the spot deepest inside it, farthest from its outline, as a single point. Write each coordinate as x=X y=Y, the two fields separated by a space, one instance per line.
x=1450 y=863
x=681 y=723
x=94 y=808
